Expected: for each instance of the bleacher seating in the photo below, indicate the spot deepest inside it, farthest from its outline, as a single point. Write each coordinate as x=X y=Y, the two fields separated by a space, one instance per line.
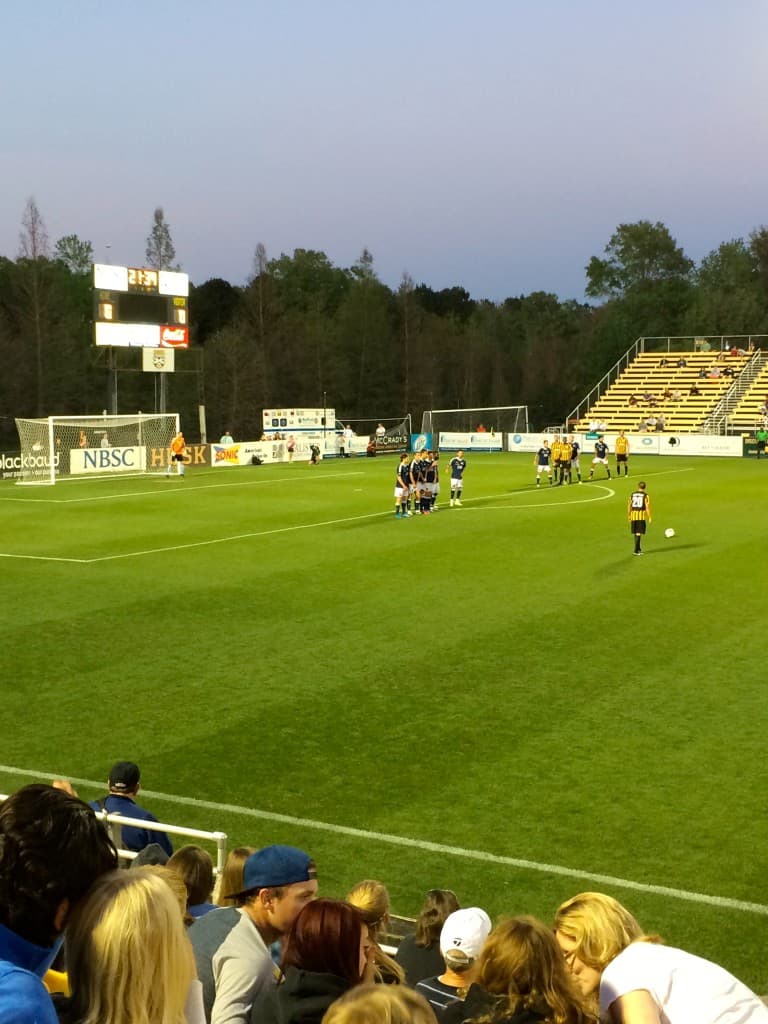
x=747 y=413
x=654 y=373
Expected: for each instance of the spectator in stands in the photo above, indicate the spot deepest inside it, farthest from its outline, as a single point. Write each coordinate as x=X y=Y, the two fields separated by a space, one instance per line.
x=461 y=942
x=128 y=955
x=714 y=372
x=371 y=900
x=637 y=979
x=232 y=946
x=702 y=374
x=633 y=399
x=728 y=371
x=661 y=422
x=327 y=952
x=124 y=784
x=666 y=394
x=175 y=883
x=419 y=954
x=676 y=395
x=694 y=390
x=664 y=361
x=231 y=878
x=195 y=866
x=380 y=1004
x=522 y=978
x=52 y=849
x=650 y=423
x=682 y=361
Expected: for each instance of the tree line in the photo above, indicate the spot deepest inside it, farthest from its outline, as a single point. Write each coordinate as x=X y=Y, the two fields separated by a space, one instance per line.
x=302 y=329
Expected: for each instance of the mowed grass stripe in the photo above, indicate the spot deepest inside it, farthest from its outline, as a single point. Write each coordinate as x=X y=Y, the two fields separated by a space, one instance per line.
x=484 y=857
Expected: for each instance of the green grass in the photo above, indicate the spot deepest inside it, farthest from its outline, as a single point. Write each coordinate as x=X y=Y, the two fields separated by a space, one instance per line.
x=505 y=679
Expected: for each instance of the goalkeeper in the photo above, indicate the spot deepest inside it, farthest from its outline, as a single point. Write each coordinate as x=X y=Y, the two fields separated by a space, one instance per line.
x=178 y=450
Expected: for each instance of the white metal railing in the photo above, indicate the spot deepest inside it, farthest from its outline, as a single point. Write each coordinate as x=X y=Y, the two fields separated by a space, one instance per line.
x=115 y=822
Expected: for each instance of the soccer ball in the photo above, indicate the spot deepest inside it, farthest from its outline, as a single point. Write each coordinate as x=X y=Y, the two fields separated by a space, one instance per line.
x=669 y=532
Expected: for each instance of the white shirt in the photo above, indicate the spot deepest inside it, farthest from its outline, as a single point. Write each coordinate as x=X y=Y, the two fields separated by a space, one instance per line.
x=686 y=988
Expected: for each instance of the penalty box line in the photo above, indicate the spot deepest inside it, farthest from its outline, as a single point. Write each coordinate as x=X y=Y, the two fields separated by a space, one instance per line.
x=460 y=852
x=178 y=490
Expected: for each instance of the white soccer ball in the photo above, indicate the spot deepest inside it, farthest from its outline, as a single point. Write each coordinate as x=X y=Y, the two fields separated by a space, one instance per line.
x=669 y=532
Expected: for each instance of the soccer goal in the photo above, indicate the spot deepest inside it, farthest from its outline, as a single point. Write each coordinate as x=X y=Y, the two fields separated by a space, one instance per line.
x=466 y=427
x=93 y=446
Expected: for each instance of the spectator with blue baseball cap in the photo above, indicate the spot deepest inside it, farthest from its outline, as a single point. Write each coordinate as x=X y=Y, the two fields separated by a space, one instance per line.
x=231 y=945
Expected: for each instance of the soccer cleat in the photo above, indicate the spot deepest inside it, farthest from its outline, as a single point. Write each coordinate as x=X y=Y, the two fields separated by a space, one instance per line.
x=398 y=515
x=408 y=514
x=458 y=503
x=451 y=502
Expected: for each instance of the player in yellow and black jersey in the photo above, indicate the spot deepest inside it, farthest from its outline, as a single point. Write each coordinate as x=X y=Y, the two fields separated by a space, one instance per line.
x=639 y=514
x=621 y=447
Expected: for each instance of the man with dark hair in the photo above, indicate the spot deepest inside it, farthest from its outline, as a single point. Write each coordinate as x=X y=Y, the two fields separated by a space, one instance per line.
x=52 y=849
x=124 y=783
x=231 y=946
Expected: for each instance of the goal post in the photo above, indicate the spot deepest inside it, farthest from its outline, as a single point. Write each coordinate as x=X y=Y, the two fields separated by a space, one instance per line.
x=468 y=428
x=55 y=447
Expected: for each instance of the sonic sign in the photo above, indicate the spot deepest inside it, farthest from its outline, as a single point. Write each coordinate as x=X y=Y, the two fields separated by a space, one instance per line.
x=139 y=307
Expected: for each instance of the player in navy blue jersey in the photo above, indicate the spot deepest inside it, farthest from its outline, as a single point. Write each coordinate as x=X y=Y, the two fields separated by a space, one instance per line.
x=575 y=465
x=402 y=487
x=543 y=463
x=433 y=485
x=458 y=464
x=425 y=465
x=601 y=457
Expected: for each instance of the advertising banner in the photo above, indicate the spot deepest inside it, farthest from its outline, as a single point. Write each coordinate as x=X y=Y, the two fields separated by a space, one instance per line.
x=298 y=419
x=107 y=460
x=473 y=442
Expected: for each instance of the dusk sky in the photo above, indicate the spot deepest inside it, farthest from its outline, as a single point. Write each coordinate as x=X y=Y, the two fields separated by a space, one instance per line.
x=493 y=144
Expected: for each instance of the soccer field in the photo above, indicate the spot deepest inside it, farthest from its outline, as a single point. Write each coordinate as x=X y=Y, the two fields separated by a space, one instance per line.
x=499 y=699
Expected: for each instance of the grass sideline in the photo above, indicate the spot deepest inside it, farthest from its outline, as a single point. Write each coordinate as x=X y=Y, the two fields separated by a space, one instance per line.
x=503 y=686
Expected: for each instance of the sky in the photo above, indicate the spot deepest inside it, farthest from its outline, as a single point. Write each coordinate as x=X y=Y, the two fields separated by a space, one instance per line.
x=493 y=145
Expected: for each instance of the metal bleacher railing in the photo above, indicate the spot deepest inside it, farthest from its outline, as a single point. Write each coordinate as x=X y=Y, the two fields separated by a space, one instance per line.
x=115 y=822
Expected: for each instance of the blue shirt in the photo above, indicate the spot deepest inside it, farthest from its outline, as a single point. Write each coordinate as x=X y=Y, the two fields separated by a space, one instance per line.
x=544 y=455
x=133 y=838
x=457 y=468
x=23 y=997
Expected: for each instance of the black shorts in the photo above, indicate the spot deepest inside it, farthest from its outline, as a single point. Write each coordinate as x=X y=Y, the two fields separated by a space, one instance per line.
x=637 y=526
x=761 y=446
x=622 y=458
x=178 y=458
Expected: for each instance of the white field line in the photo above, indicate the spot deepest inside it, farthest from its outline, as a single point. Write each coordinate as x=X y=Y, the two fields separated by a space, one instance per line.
x=172 y=486
x=309 y=526
x=722 y=902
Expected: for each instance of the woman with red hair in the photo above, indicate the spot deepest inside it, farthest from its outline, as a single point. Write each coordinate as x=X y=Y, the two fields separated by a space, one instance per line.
x=327 y=952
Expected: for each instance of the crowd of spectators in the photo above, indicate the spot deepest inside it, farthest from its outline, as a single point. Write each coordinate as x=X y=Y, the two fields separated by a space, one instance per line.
x=153 y=945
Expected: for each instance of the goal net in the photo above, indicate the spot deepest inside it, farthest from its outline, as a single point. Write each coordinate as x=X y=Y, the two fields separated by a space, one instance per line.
x=93 y=446
x=476 y=427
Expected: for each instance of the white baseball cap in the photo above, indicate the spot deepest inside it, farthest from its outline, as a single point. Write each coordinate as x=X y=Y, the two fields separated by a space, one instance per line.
x=465 y=932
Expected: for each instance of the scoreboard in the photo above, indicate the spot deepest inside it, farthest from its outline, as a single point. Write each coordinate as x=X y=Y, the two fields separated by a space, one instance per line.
x=139 y=307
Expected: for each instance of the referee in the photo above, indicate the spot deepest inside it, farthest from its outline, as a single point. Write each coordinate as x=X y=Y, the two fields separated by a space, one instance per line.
x=639 y=514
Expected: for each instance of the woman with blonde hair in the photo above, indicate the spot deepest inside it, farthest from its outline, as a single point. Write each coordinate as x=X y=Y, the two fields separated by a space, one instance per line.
x=419 y=954
x=380 y=1004
x=372 y=900
x=637 y=979
x=128 y=956
x=521 y=979
x=231 y=878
